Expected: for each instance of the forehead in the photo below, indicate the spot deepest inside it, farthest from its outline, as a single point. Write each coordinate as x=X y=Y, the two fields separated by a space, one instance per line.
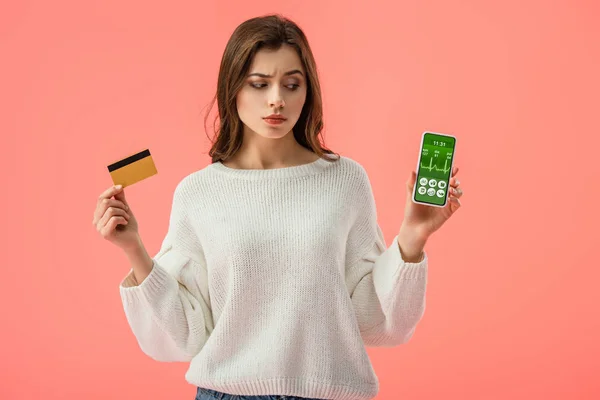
x=276 y=62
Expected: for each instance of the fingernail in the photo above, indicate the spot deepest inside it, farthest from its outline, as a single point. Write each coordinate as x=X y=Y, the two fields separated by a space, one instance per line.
x=118 y=186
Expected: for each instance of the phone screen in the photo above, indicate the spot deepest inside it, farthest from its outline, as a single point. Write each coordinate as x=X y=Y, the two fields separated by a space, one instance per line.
x=434 y=168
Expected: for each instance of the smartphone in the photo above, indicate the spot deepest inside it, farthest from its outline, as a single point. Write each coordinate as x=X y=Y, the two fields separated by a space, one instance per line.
x=434 y=169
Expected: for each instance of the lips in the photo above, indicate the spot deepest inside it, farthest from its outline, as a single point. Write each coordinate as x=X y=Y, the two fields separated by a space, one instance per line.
x=275 y=117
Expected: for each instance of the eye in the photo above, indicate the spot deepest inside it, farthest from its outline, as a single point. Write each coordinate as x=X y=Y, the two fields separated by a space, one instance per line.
x=257 y=85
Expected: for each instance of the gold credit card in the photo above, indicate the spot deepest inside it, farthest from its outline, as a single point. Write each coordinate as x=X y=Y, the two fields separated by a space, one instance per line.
x=132 y=169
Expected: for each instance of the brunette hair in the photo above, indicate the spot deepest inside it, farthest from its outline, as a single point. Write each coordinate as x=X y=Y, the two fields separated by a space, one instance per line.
x=270 y=32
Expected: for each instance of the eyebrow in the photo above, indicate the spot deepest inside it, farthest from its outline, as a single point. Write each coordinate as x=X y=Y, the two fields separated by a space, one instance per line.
x=295 y=71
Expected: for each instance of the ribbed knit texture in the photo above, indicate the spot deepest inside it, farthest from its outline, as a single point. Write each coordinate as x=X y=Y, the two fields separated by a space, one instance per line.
x=271 y=282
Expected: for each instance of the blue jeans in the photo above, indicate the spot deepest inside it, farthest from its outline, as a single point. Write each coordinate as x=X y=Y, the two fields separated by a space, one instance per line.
x=209 y=394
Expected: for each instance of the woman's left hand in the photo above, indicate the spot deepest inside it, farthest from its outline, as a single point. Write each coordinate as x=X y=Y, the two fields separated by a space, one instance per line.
x=425 y=220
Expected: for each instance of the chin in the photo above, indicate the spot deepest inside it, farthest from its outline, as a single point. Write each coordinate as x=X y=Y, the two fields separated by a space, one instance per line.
x=274 y=132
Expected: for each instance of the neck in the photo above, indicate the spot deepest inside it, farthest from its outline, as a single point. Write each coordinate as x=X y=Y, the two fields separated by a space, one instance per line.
x=258 y=152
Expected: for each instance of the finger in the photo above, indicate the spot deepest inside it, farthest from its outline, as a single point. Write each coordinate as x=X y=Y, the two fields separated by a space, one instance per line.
x=454 y=182
x=114 y=203
x=411 y=180
x=112 y=225
x=103 y=206
x=455 y=200
x=120 y=195
x=110 y=213
x=454 y=171
x=110 y=192
x=456 y=192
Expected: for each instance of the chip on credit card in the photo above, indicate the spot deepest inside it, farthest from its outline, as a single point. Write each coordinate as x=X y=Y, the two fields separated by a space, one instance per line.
x=132 y=169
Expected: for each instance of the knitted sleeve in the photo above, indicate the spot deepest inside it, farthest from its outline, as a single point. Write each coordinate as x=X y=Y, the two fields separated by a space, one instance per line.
x=388 y=294
x=169 y=312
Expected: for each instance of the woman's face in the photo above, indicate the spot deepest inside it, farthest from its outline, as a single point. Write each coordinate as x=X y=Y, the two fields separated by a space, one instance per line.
x=275 y=84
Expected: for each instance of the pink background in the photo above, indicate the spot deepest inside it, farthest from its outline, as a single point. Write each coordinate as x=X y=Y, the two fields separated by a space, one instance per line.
x=512 y=304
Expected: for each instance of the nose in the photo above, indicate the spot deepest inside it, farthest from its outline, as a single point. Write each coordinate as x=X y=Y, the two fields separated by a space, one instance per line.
x=275 y=98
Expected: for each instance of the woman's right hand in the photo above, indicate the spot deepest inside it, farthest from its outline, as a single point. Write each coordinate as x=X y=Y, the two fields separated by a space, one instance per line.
x=114 y=219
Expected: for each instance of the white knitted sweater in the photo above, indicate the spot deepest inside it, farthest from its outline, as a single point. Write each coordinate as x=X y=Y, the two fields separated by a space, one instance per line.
x=272 y=282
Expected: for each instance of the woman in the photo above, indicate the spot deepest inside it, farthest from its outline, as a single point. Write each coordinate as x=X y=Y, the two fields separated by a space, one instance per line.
x=274 y=273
